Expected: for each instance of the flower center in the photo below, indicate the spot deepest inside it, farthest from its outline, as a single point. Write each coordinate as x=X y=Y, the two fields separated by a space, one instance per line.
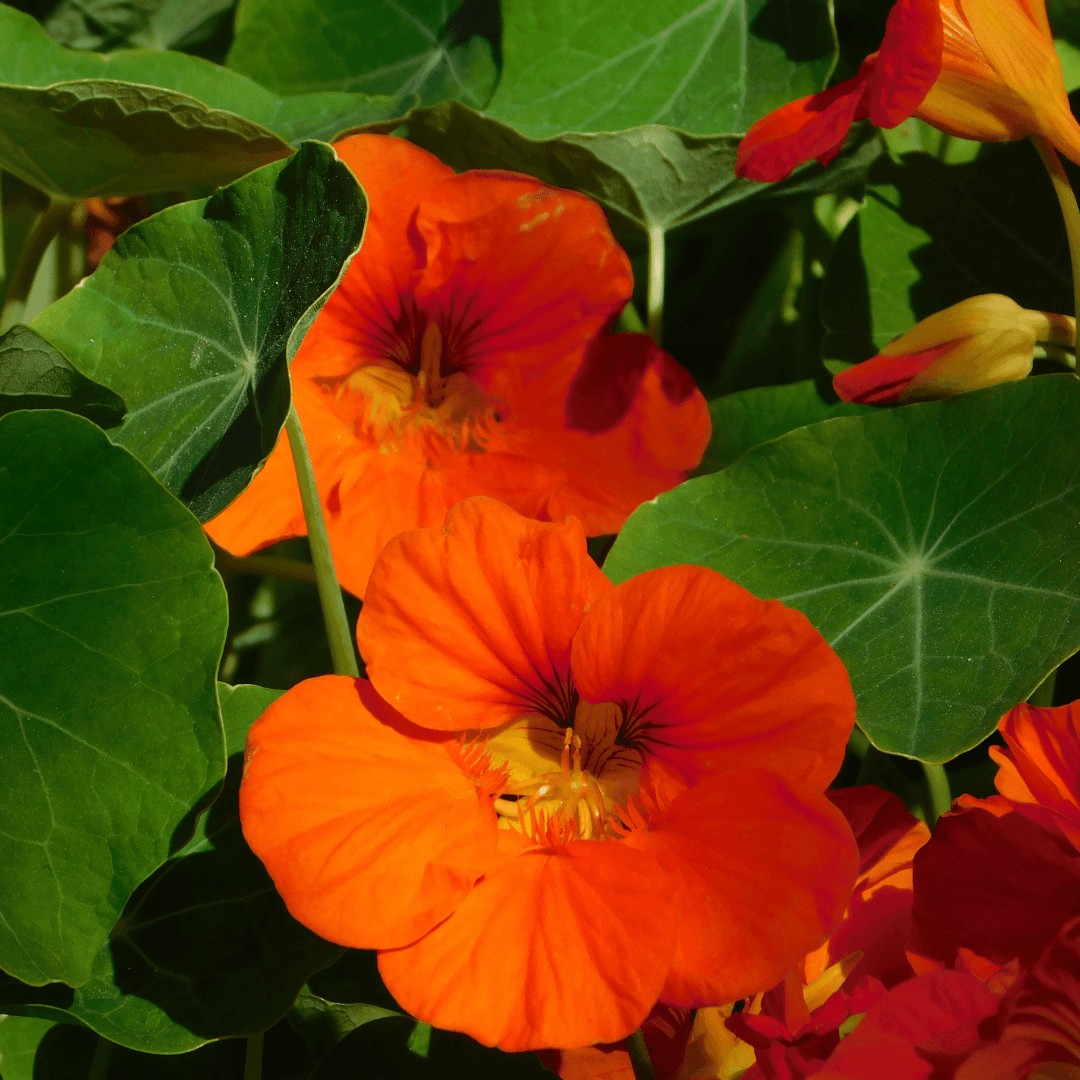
x=398 y=403
x=565 y=782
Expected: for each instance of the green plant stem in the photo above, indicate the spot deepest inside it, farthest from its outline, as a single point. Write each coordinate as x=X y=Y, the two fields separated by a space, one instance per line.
x=939 y=796
x=253 y=1057
x=629 y=319
x=274 y=566
x=99 y=1066
x=654 y=318
x=333 y=608
x=1069 y=210
x=639 y=1056
x=22 y=277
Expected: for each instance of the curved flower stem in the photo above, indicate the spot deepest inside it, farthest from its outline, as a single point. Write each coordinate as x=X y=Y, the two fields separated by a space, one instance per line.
x=253 y=1057
x=939 y=796
x=639 y=1056
x=99 y=1066
x=655 y=314
x=333 y=608
x=1069 y=210
x=22 y=277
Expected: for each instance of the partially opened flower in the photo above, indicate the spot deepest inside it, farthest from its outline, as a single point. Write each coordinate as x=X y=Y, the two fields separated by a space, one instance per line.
x=466 y=352
x=559 y=801
x=979 y=342
x=979 y=69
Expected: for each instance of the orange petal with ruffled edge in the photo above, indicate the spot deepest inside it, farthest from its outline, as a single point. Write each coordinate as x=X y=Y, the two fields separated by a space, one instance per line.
x=1041 y=763
x=558 y=947
x=717 y=678
x=371 y=829
x=763 y=871
x=471 y=627
x=878 y=916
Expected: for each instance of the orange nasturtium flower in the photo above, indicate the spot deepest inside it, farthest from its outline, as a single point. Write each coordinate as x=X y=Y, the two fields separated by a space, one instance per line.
x=466 y=352
x=978 y=69
x=979 y=342
x=559 y=801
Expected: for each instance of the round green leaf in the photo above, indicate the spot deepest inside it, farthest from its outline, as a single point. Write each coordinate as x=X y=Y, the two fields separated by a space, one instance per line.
x=394 y=48
x=935 y=547
x=73 y=123
x=206 y=948
x=112 y=622
x=602 y=65
x=746 y=419
x=102 y=137
x=193 y=317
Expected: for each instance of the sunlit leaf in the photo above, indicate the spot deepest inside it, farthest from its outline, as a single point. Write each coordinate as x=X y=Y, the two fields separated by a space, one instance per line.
x=934 y=546
x=112 y=622
x=602 y=65
x=34 y=375
x=394 y=48
x=194 y=314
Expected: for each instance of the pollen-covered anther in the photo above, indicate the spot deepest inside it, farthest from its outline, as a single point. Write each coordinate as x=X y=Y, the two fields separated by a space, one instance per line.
x=557 y=807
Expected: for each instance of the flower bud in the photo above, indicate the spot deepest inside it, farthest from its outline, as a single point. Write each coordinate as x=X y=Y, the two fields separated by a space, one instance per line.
x=979 y=342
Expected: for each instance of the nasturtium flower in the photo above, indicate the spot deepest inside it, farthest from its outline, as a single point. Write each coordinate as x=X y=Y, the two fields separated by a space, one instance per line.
x=976 y=343
x=559 y=801
x=467 y=352
x=978 y=69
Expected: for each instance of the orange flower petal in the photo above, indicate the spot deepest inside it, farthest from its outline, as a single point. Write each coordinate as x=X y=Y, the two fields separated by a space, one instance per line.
x=557 y=948
x=471 y=627
x=371 y=828
x=878 y=917
x=1042 y=762
x=376 y=291
x=719 y=678
x=763 y=872
x=528 y=274
x=812 y=127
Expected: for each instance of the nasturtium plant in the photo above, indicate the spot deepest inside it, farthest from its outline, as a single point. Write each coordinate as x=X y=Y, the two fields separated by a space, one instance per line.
x=220 y=292
x=113 y=623
x=931 y=546
x=520 y=518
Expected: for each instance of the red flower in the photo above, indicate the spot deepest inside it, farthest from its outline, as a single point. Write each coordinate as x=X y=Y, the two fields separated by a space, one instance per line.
x=1001 y=875
x=466 y=352
x=559 y=801
x=979 y=69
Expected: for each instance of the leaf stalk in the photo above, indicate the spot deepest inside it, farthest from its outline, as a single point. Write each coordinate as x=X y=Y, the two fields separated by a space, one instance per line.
x=22 y=277
x=640 y=1061
x=939 y=795
x=333 y=608
x=1069 y=210
x=655 y=312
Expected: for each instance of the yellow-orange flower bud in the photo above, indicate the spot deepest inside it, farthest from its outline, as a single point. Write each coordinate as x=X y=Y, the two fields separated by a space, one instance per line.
x=979 y=342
